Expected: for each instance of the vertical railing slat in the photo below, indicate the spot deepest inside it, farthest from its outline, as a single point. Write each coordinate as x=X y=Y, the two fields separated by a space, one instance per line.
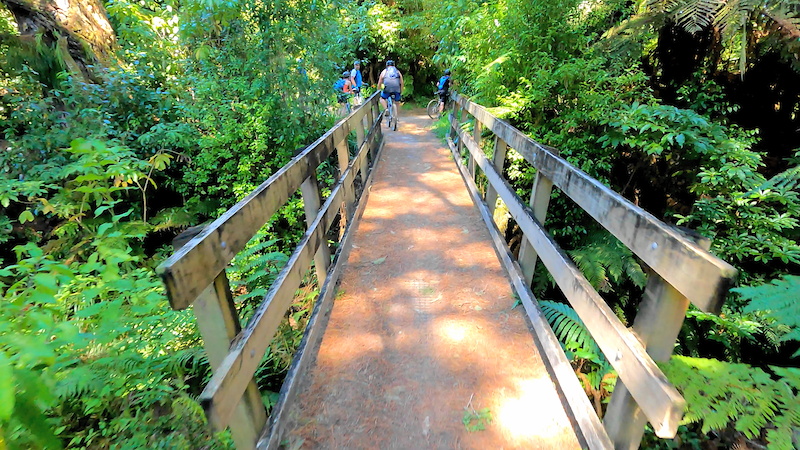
x=657 y=324
x=476 y=136
x=540 y=200
x=218 y=324
x=498 y=160
x=311 y=204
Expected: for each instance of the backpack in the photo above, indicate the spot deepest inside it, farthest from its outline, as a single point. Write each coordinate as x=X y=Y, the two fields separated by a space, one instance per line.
x=443 y=82
x=339 y=85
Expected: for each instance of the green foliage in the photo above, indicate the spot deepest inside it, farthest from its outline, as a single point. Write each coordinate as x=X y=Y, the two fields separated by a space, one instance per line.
x=752 y=219
x=729 y=329
x=720 y=394
x=606 y=262
x=776 y=303
x=740 y=23
x=476 y=420
x=593 y=368
x=91 y=339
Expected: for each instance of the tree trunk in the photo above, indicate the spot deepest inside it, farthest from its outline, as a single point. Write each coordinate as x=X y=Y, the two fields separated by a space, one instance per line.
x=77 y=29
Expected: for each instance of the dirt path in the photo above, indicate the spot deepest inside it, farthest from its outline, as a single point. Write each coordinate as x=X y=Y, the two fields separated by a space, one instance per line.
x=422 y=332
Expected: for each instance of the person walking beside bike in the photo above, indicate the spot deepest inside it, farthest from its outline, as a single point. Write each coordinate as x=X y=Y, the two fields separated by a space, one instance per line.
x=343 y=90
x=392 y=81
x=444 y=89
x=356 y=80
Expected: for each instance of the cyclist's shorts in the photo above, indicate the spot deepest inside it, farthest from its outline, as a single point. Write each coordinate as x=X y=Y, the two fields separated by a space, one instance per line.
x=443 y=96
x=395 y=95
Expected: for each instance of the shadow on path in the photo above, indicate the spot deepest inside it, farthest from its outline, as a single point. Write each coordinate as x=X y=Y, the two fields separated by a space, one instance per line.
x=422 y=333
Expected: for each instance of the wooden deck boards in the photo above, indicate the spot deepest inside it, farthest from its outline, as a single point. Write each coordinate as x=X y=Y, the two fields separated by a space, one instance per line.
x=422 y=333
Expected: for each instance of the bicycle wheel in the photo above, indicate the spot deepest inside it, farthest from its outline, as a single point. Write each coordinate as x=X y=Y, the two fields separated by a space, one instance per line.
x=433 y=109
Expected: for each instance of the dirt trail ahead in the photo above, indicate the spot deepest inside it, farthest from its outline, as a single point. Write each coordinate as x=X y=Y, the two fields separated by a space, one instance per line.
x=422 y=334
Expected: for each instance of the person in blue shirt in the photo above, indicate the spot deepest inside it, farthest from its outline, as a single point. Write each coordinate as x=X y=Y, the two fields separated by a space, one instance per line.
x=356 y=81
x=444 y=89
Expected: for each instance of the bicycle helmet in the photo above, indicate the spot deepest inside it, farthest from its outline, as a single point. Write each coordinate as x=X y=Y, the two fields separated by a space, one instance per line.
x=356 y=63
x=447 y=71
x=389 y=63
x=346 y=74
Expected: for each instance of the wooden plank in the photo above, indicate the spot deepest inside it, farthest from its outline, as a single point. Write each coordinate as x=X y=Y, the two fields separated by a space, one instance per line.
x=498 y=161
x=306 y=352
x=476 y=136
x=218 y=323
x=587 y=425
x=343 y=155
x=540 y=200
x=697 y=274
x=228 y=384
x=660 y=401
x=311 y=204
x=187 y=272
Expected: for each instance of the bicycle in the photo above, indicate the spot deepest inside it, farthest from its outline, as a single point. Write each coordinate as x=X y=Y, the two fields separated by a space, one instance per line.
x=433 y=107
x=357 y=99
x=392 y=110
x=344 y=105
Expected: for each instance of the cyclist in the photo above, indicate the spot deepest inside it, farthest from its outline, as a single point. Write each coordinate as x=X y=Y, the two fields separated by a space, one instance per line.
x=392 y=80
x=355 y=78
x=444 y=89
x=343 y=90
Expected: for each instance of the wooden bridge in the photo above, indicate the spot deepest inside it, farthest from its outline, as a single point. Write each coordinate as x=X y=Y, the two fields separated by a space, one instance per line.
x=401 y=367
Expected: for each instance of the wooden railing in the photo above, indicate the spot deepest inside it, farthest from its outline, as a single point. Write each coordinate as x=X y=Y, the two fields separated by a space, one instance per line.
x=195 y=274
x=682 y=271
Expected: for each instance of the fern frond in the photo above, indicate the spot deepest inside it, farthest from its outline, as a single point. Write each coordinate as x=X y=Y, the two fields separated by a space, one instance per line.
x=779 y=303
x=605 y=261
x=569 y=328
x=697 y=15
x=720 y=394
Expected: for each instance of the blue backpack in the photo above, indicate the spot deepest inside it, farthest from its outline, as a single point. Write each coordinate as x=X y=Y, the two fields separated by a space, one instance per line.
x=339 y=85
x=443 y=82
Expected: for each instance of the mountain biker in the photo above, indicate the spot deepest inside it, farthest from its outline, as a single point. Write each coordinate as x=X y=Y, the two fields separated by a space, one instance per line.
x=355 y=77
x=392 y=80
x=343 y=90
x=343 y=87
x=444 y=89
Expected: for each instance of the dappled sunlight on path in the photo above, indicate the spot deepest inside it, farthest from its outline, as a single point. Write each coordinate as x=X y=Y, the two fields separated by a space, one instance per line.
x=422 y=333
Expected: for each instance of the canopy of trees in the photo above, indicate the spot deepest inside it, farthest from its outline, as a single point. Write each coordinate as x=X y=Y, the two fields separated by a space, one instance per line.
x=127 y=121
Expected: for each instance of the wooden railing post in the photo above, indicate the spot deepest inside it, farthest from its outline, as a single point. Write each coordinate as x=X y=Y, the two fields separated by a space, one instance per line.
x=498 y=160
x=359 y=126
x=369 y=118
x=476 y=136
x=376 y=114
x=657 y=324
x=343 y=155
x=218 y=324
x=311 y=204
x=540 y=200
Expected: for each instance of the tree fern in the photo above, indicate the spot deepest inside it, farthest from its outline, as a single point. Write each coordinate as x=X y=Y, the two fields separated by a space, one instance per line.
x=740 y=22
x=778 y=302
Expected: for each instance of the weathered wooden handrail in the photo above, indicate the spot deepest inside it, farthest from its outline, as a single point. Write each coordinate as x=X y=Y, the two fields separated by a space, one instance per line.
x=196 y=272
x=684 y=271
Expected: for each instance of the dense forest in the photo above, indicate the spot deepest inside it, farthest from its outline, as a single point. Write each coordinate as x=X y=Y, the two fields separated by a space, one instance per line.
x=126 y=121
